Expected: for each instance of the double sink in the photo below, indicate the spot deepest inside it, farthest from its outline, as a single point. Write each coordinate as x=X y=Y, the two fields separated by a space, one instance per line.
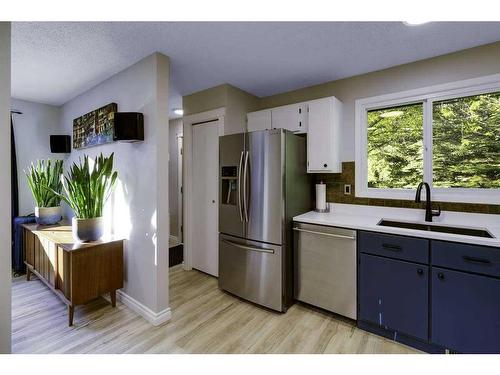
x=475 y=232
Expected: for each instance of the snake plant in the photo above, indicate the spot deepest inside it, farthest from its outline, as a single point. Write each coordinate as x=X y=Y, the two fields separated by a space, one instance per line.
x=86 y=188
x=45 y=174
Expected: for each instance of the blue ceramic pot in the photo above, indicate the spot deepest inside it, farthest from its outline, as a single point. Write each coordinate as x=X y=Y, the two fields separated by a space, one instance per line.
x=87 y=230
x=47 y=215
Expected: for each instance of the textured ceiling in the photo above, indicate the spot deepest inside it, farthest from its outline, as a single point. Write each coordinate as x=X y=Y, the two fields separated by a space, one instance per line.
x=53 y=62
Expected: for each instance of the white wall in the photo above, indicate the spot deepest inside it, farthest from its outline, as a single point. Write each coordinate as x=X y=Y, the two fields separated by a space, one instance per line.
x=5 y=219
x=32 y=132
x=138 y=211
x=175 y=129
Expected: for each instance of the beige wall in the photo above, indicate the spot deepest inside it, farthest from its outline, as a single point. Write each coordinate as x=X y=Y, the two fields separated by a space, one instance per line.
x=237 y=103
x=205 y=100
x=5 y=228
x=471 y=63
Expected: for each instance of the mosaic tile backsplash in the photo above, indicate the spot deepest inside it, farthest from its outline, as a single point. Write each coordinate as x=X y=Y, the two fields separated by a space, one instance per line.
x=335 y=193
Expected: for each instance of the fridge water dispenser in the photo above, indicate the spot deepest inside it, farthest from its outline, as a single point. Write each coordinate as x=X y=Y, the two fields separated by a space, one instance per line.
x=229 y=181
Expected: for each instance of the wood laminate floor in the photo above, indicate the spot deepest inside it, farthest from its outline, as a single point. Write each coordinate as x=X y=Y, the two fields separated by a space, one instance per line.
x=204 y=320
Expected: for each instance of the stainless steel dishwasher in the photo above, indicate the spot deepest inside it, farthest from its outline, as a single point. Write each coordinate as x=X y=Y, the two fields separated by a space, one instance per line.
x=325 y=267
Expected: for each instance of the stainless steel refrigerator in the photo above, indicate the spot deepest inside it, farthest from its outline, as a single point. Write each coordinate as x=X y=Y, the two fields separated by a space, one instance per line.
x=263 y=184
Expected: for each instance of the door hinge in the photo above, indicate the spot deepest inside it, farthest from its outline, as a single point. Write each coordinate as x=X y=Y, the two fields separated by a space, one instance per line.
x=181 y=190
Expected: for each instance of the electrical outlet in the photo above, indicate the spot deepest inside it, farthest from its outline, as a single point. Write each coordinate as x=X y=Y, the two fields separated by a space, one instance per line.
x=347 y=189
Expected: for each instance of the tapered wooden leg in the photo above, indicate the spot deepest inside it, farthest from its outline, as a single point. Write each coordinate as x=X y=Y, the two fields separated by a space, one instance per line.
x=28 y=274
x=113 y=298
x=71 y=311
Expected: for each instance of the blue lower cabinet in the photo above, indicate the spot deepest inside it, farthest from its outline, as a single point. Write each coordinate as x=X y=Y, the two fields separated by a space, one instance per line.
x=465 y=313
x=394 y=294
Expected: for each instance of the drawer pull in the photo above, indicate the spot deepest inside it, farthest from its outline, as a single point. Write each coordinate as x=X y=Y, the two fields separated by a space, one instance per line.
x=325 y=234
x=251 y=248
x=476 y=260
x=391 y=247
x=440 y=276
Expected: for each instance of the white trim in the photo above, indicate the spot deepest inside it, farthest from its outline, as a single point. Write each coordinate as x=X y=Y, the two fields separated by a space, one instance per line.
x=174 y=241
x=188 y=210
x=426 y=95
x=180 y=179
x=152 y=317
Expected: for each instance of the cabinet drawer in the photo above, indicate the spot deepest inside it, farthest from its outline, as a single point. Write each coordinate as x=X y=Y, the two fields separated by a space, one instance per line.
x=398 y=247
x=479 y=259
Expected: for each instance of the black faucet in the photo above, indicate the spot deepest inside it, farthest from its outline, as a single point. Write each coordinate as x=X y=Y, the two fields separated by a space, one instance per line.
x=429 y=213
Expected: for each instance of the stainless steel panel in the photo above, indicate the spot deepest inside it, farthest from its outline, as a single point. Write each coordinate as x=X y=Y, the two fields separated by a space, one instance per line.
x=265 y=194
x=231 y=148
x=251 y=270
x=326 y=268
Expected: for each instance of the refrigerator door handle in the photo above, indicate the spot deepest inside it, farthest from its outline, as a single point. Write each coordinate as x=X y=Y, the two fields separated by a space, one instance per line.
x=245 y=192
x=251 y=248
x=240 y=210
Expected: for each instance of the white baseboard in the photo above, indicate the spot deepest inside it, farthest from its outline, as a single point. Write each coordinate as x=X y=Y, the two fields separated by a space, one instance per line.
x=155 y=319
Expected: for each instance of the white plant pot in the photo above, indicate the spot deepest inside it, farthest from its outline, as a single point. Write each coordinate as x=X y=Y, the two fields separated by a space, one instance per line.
x=48 y=215
x=87 y=230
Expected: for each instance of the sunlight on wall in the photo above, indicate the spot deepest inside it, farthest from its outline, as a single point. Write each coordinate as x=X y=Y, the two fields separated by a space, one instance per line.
x=154 y=238
x=117 y=212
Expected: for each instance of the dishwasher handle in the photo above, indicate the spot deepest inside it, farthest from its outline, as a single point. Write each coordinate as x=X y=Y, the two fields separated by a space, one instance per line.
x=325 y=234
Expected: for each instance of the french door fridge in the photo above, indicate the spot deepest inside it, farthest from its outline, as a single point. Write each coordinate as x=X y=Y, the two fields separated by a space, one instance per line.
x=263 y=184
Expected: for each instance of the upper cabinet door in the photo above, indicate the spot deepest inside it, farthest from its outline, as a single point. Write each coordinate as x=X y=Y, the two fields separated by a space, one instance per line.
x=323 y=136
x=260 y=120
x=291 y=117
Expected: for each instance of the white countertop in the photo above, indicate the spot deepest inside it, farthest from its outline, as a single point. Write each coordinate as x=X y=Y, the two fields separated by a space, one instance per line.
x=366 y=218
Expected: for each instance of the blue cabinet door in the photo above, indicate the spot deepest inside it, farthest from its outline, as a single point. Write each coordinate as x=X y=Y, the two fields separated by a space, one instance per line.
x=465 y=314
x=394 y=295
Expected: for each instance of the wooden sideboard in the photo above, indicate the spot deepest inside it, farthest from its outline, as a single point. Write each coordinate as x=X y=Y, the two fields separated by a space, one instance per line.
x=76 y=272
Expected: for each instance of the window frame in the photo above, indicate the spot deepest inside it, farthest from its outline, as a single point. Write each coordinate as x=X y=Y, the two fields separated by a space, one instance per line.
x=427 y=96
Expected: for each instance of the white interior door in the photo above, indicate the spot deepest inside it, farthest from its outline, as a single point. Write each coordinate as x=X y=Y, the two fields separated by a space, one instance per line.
x=205 y=249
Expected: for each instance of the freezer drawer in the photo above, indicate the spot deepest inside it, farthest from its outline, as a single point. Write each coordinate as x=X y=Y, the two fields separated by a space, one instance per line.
x=325 y=268
x=251 y=270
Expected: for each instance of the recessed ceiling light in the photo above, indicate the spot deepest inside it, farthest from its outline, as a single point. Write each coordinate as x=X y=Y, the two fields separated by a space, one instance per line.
x=391 y=114
x=179 y=111
x=414 y=23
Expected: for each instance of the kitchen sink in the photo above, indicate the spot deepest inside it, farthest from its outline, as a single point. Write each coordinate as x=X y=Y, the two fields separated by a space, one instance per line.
x=475 y=232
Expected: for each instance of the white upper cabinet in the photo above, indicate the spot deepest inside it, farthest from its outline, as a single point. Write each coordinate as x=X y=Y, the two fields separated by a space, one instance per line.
x=291 y=117
x=323 y=136
x=320 y=119
x=260 y=120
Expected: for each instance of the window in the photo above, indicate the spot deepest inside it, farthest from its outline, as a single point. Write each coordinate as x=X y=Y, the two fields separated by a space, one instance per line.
x=466 y=142
x=395 y=147
x=448 y=136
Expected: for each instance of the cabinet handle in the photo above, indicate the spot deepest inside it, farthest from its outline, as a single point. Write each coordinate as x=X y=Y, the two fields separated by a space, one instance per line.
x=391 y=247
x=476 y=260
x=325 y=165
x=420 y=271
x=300 y=123
x=325 y=234
x=440 y=276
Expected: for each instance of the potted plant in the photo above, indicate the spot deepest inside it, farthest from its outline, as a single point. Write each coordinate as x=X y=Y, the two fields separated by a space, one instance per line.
x=41 y=175
x=86 y=190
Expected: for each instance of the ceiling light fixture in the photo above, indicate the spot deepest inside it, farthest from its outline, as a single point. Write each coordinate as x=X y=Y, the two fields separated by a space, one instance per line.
x=414 y=22
x=179 y=111
x=391 y=114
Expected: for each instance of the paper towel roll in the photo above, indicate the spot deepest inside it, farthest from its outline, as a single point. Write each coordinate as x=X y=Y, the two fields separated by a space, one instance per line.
x=321 y=196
